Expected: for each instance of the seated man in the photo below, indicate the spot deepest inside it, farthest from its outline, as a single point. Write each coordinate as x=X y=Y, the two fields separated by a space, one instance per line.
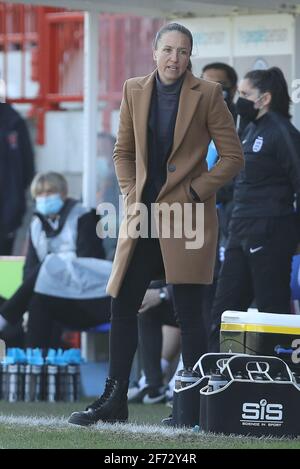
x=65 y=274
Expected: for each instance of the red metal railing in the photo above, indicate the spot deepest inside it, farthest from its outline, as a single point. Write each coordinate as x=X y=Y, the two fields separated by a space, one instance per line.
x=18 y=33
x=54 y=40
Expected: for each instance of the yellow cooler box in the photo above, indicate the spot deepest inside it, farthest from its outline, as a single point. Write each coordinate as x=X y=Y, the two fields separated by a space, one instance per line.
x=257 y=333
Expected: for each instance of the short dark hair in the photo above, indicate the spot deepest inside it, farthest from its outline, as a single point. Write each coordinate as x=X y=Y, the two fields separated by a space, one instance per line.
x=272 y=80
x=167 y=28
x=230 y=72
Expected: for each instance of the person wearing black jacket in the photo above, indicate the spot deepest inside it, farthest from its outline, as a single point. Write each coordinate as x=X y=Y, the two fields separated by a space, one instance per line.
x=16 y=173
x=224 y=74
x=65 y=274
x=263 y=231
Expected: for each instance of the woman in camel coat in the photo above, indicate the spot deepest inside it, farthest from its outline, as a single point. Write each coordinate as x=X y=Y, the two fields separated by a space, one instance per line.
x=202 y=116
x=167 y=120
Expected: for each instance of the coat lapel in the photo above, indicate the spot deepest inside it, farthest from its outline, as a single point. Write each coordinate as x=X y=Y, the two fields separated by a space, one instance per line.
x=188 y=102
x=141 y=99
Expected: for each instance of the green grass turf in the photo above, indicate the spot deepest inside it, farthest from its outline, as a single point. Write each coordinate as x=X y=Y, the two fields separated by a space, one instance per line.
x=25 y=435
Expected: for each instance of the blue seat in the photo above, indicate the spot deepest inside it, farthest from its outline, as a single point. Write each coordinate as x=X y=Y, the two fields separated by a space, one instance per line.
x=101 y=328
x=295 y=278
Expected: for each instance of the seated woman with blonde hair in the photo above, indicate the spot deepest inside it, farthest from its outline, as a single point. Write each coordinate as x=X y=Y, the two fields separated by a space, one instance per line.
x=65 y=274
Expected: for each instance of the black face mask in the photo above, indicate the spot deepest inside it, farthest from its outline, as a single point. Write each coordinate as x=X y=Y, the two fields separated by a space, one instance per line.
x=227 y=95
x=245 y=108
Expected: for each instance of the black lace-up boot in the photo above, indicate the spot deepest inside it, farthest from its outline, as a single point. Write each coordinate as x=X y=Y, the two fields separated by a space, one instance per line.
x=110 y=407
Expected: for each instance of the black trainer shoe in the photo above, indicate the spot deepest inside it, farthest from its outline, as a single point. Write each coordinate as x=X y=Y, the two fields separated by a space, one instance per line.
x=110 y=407
x=155 y=395
x=136 y=393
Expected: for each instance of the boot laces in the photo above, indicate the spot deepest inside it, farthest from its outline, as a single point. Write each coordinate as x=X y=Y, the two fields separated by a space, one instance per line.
x=109 y=387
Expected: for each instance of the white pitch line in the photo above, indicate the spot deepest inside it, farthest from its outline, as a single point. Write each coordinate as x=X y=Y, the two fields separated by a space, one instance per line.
x=60 y=423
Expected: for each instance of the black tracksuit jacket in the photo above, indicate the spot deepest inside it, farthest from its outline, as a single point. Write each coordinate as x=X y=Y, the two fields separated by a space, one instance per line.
x=269 y=184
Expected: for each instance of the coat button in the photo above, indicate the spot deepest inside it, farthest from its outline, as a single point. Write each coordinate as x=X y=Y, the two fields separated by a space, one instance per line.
x=172 y=168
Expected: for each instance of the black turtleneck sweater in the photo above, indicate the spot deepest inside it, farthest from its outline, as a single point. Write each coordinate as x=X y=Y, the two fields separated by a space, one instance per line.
x=161 y=125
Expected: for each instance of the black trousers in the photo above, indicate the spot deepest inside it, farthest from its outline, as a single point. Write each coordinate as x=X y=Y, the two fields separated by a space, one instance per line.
x=6 y=244
x=147 y=265
x=45 y=312
x=256 y=269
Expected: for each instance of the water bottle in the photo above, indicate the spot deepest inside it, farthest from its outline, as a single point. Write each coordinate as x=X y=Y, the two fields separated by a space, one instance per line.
x=16 y=374
x=259 y=377
x=51 y=377
x=186 y=377
x=21 y=381
x=71 y=377
x=33 y=383
x=27 y=379
x=2 y=356
x=13 y=382
x=238 y=375
x=77 y=384
x=2 y=350
x=281 y=377
x=73 y=357
x=28 y=386
x=33 y=391
x=73 y=382
x=216 y=381
x=62 y=382
x=51 y=383
x=4 y=381
x=61 y=364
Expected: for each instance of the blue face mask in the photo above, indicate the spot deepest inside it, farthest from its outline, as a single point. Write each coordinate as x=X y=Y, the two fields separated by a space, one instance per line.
x=49 y=205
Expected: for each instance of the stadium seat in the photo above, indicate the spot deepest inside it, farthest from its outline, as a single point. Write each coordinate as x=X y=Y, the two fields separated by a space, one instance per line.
x=295 y=284
x=295 y=278
x=102 y=328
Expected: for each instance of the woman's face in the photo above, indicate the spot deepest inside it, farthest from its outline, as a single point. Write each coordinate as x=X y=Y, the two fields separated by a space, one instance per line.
x=49 y=201
x=47 y=190
x=247 y=91
x=261 y=100
x=172 y=56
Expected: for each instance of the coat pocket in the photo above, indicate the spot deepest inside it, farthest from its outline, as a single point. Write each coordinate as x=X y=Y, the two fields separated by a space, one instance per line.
x=187 y=189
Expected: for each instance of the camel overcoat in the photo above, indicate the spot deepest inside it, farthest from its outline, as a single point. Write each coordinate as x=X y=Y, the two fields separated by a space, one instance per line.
x=202 y=116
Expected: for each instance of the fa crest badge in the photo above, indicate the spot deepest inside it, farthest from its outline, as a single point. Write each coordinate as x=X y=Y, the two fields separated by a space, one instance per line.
x=257 y=145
